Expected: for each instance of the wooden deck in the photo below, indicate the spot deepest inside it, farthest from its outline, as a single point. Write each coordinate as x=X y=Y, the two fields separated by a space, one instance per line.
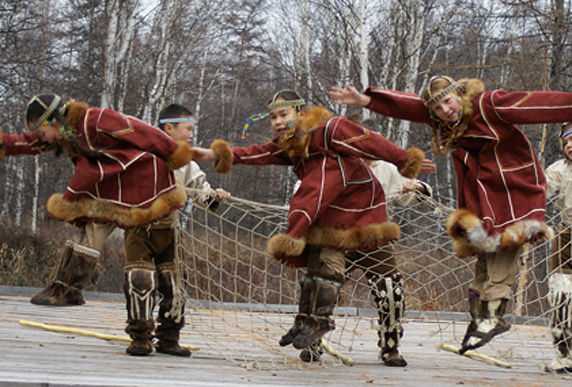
x=36 y=357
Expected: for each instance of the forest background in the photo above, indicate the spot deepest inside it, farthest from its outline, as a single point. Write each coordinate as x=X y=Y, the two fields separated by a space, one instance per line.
x=225 y=58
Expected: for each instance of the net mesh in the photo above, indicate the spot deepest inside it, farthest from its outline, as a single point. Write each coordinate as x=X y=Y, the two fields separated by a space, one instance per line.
x=240 y=301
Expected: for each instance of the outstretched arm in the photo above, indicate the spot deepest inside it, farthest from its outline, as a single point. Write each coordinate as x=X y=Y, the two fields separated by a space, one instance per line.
x=348 y=95
x=203 y=154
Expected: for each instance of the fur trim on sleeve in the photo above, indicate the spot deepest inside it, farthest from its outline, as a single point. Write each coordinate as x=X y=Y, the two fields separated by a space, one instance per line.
x=225 y=156
x=287 y=250
x=413 y=165
x=285 y=244
x=2 y=146
x=182 y=156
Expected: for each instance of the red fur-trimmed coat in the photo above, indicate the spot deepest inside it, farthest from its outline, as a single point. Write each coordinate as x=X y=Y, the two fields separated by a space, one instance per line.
x=501 y=186
x=340 y=203
x=128 y=182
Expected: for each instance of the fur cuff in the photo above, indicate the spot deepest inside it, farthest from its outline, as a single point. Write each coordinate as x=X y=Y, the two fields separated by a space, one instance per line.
x=84 y=209
x=413 y=165
x=287 y=250
x=225 y=156
x=182 y=156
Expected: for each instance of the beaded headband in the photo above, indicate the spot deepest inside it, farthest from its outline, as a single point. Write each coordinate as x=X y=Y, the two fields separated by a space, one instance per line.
x=434 y=99
x=176 y=120
x=565 y=131
x=297 y=104
x=48 y=112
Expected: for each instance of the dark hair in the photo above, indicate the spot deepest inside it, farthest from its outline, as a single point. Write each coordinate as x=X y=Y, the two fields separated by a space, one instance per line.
x=173 y=111
x=36 y=110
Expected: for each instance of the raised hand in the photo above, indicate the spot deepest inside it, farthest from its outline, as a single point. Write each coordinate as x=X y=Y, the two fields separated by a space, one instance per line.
x=348 y=95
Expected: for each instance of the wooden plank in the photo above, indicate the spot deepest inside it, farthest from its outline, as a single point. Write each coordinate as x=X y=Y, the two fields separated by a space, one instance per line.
x=230 y=341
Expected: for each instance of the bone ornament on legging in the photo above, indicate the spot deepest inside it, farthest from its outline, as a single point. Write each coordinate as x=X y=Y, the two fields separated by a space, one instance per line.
x=139 y=287
x=388 y=294
x=76 y=265
x=560 y=300
x=317 y=301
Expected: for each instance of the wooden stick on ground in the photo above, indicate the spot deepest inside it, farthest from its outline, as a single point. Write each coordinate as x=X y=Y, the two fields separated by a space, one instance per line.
x=485 y=358
x=56 y=328
x=345 y=359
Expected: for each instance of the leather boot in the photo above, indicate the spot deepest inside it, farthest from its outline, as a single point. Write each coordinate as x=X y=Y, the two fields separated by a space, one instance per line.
x=171 y=316
x=141 y=333
x=139 y=288
x=313 y=353
x=388 y=295
x=76 y=266
x=324 y=296
x=487 y=322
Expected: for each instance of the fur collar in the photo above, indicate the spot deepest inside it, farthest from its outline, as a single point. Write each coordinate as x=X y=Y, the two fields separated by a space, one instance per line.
x=469 y=89
x=75 y=112
x=298 y=144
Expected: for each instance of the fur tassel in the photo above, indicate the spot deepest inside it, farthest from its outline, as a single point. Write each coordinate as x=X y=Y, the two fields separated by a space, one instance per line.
x=298 y=144
x=458 y=225
x=181 y=157
x=413 y=165
x=532 y=231
x=89 y=209
x=469 y=236
x=225 y=156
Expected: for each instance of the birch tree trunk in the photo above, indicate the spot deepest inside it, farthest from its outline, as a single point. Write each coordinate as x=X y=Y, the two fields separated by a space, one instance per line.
x=363 y=53
x=120 y=37
x=305 y=41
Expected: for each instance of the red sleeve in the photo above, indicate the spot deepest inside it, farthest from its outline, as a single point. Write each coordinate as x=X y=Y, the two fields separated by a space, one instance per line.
x=529 y=107
x=120 y=127
x=351 y=140
x=265 y=154
x=396 y=104
x=24 y=144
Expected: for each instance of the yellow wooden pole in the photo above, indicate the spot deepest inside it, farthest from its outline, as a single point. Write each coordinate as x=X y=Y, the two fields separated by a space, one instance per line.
x=485 y=358
x=104 y=336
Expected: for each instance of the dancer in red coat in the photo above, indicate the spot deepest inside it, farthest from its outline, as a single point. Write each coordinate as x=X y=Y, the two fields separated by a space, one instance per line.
x=336 y=217
x=123 y=178
x=501 y=186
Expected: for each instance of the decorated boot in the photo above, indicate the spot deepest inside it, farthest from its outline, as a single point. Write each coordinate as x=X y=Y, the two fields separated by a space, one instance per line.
x=560 y=300
x=487 y=322
x=388 y=295
x=76 y=266
x=139 y=288
x=171 y=314
x=317 y=301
